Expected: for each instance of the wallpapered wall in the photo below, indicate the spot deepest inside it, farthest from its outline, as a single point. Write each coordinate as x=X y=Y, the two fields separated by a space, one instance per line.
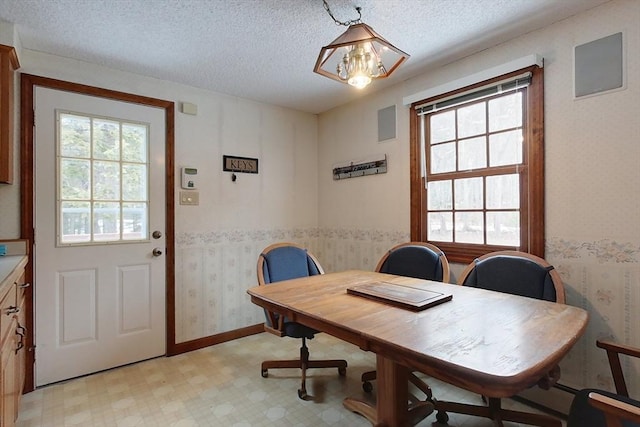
x=603 y=277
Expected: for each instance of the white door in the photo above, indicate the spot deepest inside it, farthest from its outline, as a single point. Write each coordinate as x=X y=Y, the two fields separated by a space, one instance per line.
x=99 y=198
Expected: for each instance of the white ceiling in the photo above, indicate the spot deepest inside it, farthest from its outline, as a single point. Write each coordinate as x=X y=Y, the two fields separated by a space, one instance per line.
x=265 y=50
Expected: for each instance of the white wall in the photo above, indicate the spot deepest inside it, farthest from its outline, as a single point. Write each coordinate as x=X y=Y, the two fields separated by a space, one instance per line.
x=217 y=242
x=592 y=169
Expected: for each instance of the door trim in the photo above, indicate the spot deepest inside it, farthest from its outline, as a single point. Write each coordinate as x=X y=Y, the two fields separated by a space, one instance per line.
x=27 y=84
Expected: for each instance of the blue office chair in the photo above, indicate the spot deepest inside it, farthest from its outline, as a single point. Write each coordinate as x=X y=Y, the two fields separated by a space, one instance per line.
x=600 y=408
x=284 y=261
x=413 y=259
x=517 y=273
x=422 y=261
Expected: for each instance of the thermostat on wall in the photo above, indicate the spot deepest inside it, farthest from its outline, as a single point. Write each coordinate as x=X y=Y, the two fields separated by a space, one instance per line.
x=189 y=178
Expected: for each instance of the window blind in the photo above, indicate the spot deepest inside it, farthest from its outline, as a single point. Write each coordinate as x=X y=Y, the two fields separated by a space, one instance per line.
x=508 y=85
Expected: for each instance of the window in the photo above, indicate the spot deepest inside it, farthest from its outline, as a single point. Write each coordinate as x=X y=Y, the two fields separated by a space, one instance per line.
x=477 y=176
x=102 y=187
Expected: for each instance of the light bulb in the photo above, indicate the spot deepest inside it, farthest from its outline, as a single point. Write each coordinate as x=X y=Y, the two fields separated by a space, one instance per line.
x=359 y=81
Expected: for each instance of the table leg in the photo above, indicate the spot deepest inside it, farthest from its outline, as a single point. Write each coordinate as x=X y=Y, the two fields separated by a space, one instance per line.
x=392 y=403
x=392 y=393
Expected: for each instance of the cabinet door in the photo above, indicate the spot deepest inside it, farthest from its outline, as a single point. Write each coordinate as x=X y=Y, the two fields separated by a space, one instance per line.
x=20 y=350
x=8 y=387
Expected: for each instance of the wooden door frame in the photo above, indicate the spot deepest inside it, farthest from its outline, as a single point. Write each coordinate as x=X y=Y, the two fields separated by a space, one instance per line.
x=28 y=83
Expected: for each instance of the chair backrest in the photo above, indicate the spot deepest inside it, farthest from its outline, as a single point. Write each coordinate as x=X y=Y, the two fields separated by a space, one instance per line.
x=517 y=273
x=416 y=259
x=284 y=261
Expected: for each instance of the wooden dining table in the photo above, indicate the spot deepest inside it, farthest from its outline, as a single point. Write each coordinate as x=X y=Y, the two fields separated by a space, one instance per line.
x=491 y=343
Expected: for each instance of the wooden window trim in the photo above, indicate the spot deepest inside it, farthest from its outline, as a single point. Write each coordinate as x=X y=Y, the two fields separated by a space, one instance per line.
x=533 y=204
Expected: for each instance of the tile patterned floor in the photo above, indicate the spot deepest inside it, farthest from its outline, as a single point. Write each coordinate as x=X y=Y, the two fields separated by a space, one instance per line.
x=221 y=386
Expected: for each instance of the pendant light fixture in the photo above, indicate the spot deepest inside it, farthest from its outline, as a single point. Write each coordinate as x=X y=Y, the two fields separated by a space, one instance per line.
x=359 y=55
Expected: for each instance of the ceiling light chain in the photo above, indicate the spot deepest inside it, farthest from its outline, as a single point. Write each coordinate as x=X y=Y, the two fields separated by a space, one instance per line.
x=345 y=23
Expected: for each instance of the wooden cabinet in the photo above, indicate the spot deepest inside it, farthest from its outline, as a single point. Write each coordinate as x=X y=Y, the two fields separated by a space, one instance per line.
x=8 y=64
x=9 y=388
x=13 y=336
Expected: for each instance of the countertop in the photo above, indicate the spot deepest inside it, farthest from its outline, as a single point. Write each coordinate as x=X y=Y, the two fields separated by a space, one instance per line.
x=15 y=260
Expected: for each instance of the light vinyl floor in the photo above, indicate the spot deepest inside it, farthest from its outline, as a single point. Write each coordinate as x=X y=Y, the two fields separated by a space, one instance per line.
x=222 y=386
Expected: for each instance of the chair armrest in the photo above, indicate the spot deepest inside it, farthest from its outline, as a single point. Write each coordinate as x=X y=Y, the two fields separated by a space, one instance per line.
x=613 y=352
x=619 y=348
x=279 y=331
x=273 y=331
x=614 y=410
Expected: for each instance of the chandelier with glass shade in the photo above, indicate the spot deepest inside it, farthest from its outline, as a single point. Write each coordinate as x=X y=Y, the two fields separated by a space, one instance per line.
x=359 y=55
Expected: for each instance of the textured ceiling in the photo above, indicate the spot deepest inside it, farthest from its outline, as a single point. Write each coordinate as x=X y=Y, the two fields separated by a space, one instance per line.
x=265 y=50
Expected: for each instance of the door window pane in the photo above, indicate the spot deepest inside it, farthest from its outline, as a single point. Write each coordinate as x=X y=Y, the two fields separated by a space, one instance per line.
x=106 y=221
x=75 y=180
x=75 y=222
x=75 y=136
x=134 y=143
x=106 y=180
x=103 y=175
x=106 y=139
x=134 y=182
x=134 y=224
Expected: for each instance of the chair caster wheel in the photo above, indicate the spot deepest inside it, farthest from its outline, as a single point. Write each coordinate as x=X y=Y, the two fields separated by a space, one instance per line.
x=264 y=373
x=442 y=417
x=342 y=371
x=367 y=387
x=302 y=394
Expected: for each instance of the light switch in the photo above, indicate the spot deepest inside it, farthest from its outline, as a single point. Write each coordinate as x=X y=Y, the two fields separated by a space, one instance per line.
x=190 y=198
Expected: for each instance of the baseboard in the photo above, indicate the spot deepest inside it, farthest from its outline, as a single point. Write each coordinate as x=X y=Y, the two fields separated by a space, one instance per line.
x=203 y=342
x=556 y=400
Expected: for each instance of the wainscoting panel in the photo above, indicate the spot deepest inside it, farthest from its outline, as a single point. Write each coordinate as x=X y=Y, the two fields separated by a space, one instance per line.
x=603 y=277
x=213 y=272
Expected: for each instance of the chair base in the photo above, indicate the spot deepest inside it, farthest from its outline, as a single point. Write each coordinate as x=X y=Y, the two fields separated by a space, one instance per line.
x=495 y=412
x=283 y=364
x=300 y=364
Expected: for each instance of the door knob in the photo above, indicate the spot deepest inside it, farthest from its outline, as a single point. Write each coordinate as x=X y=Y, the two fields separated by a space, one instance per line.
x=157 y=252
x=156 y=234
